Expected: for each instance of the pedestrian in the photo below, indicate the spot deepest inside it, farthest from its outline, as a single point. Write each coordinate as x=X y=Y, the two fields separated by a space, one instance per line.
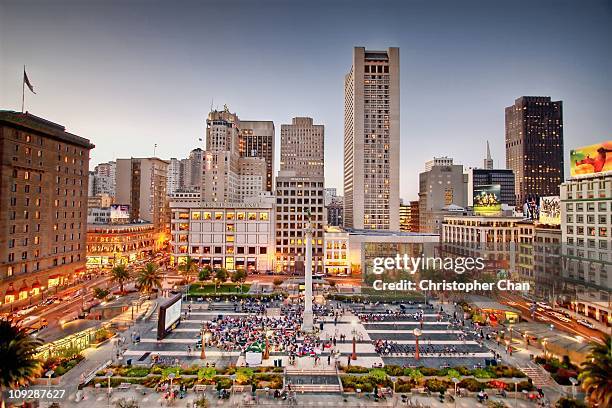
x=348 y=361
x=329 y=359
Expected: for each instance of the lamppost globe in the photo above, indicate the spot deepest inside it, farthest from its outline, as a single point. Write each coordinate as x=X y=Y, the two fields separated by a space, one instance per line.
x=417 y=332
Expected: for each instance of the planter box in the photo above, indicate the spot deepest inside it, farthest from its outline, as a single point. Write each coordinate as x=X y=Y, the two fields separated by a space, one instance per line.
x=96 y=345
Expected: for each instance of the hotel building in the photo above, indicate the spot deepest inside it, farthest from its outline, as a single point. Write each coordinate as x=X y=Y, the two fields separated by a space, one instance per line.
x=372 y=140
x=586 y=216
x=43 y=205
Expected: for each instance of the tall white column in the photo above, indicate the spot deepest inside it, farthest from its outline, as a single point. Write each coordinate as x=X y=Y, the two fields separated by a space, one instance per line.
x=307 y=325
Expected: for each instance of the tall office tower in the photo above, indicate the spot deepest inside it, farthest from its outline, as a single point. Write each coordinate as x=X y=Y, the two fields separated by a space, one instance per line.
x=141 y=183
x=300 y=195
x=372 y=140
x=194 y=173
x=220 y=176
x=442 y=189
x=104 y=178
x=43 y=206
x=488 y=161
x=257 y=140
x=173 y=183
x=534 y=146
x=302 y=145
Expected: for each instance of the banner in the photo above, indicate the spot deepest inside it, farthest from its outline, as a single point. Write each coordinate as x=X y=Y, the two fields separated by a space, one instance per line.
x=550 y=210
x=591 y=159
x=487 y=199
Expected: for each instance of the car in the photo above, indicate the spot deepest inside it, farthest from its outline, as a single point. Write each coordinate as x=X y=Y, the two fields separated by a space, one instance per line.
x=27 y=321
x=544 y=305
x=26 y=310
x=586 y=323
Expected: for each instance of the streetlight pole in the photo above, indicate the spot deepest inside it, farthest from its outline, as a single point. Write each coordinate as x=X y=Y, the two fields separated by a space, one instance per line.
x=109 y=374
x=354 y=333
x=49 y=374
x=171 y=377
x=417 y=332
x=455 y=381
x=515 y=392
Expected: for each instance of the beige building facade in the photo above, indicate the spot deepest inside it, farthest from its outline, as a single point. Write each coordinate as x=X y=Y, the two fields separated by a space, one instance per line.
x=372 y=140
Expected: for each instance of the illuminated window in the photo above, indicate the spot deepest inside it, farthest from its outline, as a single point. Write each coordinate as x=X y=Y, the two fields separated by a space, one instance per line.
x=230 y=216
x=240 y=216
x=252 y=216
x=207 y=216
x=196 y=215
x=218 y=216
x=184 y=216
x=263 y=216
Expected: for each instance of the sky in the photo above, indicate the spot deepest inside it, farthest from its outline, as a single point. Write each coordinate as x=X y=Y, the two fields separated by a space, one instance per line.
x=131 y=74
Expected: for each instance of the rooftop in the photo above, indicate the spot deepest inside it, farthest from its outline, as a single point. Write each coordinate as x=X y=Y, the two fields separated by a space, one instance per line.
x=43 y=126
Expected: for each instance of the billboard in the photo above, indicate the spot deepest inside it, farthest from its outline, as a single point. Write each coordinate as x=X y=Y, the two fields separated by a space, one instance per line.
x=550 y=210
x=119 y=212
x=487 y=199
x=591 y=159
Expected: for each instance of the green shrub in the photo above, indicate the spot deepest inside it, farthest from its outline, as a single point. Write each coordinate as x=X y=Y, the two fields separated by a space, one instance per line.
x=435 y=385
x=471 y=385
x=355 y=370
x=206 y=373
x=482 y=373
x=428 y=371
x=244 y=376
x=136 y=372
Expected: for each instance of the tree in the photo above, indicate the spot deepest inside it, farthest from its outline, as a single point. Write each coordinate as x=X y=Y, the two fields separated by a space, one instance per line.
x=239 y=276
x=149 y=278
x=221 y=274
x=120 y=274
x=17 y=350
x=569 y=403
x=189 y=267
x=100 y=293
x=595 y=375
x=205 y=274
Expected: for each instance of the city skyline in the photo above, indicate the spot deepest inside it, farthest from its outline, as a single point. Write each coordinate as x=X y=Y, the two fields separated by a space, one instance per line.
x=137 y=82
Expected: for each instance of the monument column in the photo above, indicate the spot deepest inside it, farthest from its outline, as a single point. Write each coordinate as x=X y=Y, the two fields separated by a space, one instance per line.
x=307 y=324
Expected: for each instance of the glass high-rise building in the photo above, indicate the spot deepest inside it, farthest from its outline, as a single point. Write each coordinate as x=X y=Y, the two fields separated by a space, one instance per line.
x=534 y=146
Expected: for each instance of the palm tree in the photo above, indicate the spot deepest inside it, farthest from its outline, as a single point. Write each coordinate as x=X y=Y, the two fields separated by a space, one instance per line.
x=120 y=274
x=149 y=278
x=595 y=375
x=189 y=267
x=17 y=349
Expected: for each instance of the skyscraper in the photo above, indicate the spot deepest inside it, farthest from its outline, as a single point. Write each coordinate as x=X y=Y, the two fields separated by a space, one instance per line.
x=302 y=145
x=300 y=195
x=534 y=146
x=257 y=140
x=372 y=140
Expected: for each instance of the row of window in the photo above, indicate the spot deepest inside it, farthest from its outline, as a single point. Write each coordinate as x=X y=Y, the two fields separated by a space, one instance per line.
x=221 y=215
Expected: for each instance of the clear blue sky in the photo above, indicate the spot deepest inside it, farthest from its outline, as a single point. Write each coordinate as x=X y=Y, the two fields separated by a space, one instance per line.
x=129 y=74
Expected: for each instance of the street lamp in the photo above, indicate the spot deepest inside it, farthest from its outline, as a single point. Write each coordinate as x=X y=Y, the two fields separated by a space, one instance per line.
x=574 y=382
x=109 y=374
x=417 y=332
x=354 y=333
x=544 y=346
x=455 y=381
x=49 y=374
x=171 y=376
x=515 y=380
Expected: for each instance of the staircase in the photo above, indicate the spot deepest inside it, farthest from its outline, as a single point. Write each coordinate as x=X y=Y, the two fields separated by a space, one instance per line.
x=539 y=377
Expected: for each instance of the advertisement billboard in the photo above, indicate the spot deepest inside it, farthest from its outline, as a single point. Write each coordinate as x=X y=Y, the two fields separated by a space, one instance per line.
x=119 y=212
x=550 y=210
x=591 y=159
x=487 y=199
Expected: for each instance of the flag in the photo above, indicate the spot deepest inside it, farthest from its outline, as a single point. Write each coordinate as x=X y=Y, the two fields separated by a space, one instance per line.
x=26 y=80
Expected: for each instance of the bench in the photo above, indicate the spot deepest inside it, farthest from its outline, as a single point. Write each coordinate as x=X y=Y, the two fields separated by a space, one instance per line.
x=124 y=386
x=199 y=388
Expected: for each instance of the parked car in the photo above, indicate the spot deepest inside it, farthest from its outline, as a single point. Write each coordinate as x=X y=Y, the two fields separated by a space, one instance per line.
x=586 y=323
x=544 y=305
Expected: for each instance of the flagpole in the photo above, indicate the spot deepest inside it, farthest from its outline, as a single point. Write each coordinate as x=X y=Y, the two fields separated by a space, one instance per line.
x=23 y=89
